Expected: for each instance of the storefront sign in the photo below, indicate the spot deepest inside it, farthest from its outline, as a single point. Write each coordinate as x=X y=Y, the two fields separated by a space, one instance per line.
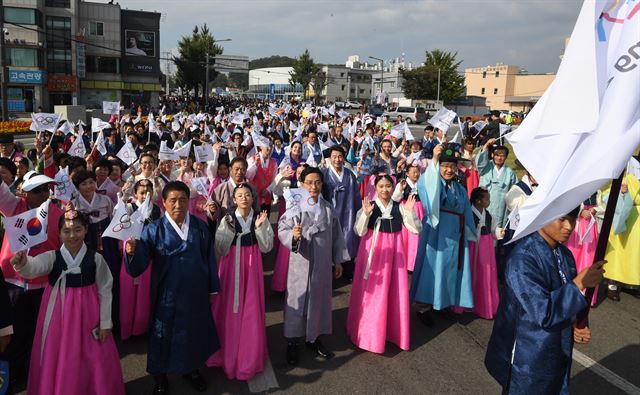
x=61 y=83
x=36 y=77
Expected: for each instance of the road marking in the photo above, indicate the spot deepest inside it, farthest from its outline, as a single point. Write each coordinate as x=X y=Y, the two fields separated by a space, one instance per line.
x=605 y=373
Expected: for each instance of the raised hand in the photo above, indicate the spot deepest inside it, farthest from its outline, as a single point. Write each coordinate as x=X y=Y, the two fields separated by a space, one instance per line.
x=297 y=232
x=411 y=201
x=367 y=206
x=437 y=151
x=261 y=218
x=19 y=259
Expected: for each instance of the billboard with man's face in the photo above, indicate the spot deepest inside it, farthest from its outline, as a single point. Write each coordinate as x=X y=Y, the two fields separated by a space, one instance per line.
x=140 y=43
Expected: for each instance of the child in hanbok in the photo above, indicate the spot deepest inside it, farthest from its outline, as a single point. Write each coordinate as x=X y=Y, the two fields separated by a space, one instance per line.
x=239 y=308
x=484 y=274
x=135 y=292
x=379 y=303
x=73 y=350
x=406 y=188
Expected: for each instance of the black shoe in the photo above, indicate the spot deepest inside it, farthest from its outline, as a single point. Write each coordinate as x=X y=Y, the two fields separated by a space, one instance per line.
x=320 y=349
x=292 y=354
x=613 y=294
x=426 y=317
x=162 y=385
x=197 y=381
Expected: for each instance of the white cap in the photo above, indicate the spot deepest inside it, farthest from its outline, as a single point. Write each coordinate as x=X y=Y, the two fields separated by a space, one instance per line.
x=33 y=180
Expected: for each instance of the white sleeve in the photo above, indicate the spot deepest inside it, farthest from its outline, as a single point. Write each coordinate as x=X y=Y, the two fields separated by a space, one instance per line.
x=397 y=193
x=104 y=282
x=37 y=266
x=265 y=236
x=411 y=220
x=360 y=227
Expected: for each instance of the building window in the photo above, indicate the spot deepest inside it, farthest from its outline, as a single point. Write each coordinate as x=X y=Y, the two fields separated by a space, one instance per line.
x=342 y=87
x=59 y=45
x=484 y=74
x=497 y=74
x=482 y=91
x=23 y=57
x=24 y=16
x=96 y=28
x=495 y=91
x=341 y=75
x=58 y=3
x=392 y=84
x=103 y=64
x=361 y=91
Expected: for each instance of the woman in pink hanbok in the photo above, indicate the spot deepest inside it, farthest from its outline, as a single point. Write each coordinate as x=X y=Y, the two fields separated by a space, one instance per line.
x=484 y=272
x=73 y=350
x=239 y=309
x=379 y=303
x=404 y=189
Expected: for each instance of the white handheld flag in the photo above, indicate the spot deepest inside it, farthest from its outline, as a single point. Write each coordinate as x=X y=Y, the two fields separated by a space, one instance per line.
x=127 y=153
x=28 y=229
x=201 y=185
x=124 y=225
x=100 y=145
x=599 y=77
x=98 y=124
x=111 y=107
x=64 y=189
x=185 y=150
x=67 y=127
x=45 y=121
x=77 y=148
x=204 y=153
x=442 y=119
x=167 y=153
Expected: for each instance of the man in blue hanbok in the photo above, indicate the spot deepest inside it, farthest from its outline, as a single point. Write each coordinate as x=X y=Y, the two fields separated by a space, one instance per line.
x=442 y=276
x=497 y=177
x=341 y=190
x=184 y=277
x=530 y=348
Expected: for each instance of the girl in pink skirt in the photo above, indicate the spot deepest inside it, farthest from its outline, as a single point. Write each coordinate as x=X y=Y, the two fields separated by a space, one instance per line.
x=239 y=310
x=73 y=350
x=379 y=303
x=404 y=189
x=484 y=274
x=135 y=292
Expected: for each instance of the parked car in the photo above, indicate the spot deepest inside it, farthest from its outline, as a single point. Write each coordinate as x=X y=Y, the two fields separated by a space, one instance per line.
x=409 y=114
x=339 y=104
x=352 y=104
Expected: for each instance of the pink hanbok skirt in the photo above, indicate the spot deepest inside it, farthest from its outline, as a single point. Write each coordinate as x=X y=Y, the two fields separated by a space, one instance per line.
x=484 y=277
x=379 y=305
x=243 y=336
x=411 y=240
x=585 y=251
x=135 y=299
x=73 y=362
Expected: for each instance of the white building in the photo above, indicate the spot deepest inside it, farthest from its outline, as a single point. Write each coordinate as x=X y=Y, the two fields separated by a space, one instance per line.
x=273 y=82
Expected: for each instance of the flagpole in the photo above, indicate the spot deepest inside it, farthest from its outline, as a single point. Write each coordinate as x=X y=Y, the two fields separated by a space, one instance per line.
x=603 y=240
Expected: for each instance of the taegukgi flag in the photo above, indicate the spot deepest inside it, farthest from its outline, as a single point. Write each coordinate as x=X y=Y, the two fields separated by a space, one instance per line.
x=28 y=229
x=599 y=78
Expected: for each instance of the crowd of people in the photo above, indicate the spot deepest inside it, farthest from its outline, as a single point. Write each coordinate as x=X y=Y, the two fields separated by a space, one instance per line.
x=422 y=222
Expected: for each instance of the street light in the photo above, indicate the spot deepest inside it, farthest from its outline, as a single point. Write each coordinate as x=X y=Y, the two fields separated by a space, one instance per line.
x=381 y=72
x=206 y=77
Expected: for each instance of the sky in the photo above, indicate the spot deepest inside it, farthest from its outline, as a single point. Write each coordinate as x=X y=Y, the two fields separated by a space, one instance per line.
x=527 y=33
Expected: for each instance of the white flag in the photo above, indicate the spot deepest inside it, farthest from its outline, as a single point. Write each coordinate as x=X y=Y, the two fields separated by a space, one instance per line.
x=98 y=124
x=599 y=75
x=201 y=185
x=167 y=153
x=204 y=153
x=45 y=121
x=28 y=229
x=127 y=153
x=64 y=189
x=633 y=168
x=111 y=107
x=259 y=140
x=442 y=119
x=77 y=147
x=99 y=144
x=397 y=131
x=124 y=225
x=185 y=150
x=67 y=127
x=153 y=128
x=323 y=128
x=298 y=200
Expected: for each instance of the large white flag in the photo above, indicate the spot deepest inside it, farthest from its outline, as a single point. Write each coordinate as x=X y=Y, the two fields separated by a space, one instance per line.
x=27 y=229
x=442 y=119
x=127 y=153
x=44 y=121
x=599 y=77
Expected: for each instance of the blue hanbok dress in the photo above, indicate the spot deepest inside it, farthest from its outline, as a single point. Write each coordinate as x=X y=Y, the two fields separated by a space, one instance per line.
x=182 y=334
x=530 y=348
x=442 y=274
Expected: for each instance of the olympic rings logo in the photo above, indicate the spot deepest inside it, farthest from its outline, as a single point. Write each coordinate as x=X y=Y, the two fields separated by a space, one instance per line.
x=123 y=223
x=48 y=120
x=61 y=185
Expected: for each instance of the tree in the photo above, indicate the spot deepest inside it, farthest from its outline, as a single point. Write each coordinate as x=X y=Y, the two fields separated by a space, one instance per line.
x=221 y=81
x=422 y=83
x=191 y=64
x=303 y=71
x=319 y=80
x=239 y=80
x=271 y=61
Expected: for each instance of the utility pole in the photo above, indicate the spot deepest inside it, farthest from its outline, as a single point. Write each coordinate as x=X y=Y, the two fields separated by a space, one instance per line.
x=381 y=74
x=3 y=66
x=167 y=56
x=438 y=96
x=206 y=74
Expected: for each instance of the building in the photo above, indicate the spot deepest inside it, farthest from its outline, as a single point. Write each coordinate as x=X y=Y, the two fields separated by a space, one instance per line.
x=506 y=87
x=346 y=84
x=273 y=83
x=62 y=52
x=391 y=90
